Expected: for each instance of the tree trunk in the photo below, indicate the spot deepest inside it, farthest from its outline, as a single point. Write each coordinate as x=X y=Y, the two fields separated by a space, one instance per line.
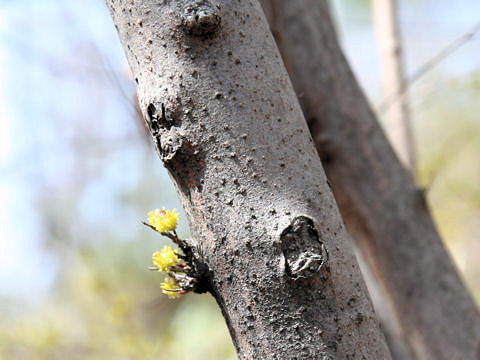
x=384 y=210
x=396 y=108
x=382 y=303
x=264 y=223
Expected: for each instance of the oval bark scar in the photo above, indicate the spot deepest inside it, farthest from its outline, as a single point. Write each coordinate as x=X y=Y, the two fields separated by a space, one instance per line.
x=304 y=253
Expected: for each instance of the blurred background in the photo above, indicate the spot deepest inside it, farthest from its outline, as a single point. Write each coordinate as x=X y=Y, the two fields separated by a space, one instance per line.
x=78 y=174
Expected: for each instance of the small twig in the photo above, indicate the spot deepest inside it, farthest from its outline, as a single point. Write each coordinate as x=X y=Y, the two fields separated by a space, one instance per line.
x=181 y=268
x=150 y=226
x=429 y=65
x=171 y=235
x=179 y=290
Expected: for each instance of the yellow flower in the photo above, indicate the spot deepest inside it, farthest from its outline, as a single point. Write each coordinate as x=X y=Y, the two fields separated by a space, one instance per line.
x=163 y=220
x=170 y=284
x=165 y=259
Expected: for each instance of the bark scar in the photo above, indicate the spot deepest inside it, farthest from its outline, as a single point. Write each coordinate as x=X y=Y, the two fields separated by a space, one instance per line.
x=166 y=136
x=157 y=121
x=304 y=253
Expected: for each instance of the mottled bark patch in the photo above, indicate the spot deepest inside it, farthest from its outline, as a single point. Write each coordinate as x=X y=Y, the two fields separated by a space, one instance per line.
x=304 y=253
x=167 y=144
x=201 y=18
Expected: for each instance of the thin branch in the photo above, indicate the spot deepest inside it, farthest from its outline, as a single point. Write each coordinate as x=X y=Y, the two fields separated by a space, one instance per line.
x=398 y=117
x=171 y=235
x=430 y=64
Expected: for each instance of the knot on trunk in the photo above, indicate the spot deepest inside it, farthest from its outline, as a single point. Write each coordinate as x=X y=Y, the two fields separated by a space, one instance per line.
x=303 y=251
x=201 y=19
x=165 y=128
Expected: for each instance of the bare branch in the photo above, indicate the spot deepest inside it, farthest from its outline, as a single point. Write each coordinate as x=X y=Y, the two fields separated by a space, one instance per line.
x=430 y=64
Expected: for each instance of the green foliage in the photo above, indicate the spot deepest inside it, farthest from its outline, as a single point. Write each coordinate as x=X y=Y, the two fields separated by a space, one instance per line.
x=109 y=307
x=448 y=138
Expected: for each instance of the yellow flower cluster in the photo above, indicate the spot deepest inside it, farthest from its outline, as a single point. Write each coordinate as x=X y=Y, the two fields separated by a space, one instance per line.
x=167 y=258
x=163 y=220
x=170 y=284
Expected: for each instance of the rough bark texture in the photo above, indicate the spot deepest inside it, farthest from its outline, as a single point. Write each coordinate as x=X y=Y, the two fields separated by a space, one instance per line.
x=382 y=303
x=384 y=210
x=396 y=111
x=227 y=124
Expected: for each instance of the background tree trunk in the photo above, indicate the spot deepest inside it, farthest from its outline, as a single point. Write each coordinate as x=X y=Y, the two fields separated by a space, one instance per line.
x=384 y=210
x=385 y=310
x=268 y=239
x=396 y=109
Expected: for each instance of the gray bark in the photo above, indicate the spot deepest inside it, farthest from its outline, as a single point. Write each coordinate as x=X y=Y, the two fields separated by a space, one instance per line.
x=267 y=237
x=384 y=210
x=385 y=311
